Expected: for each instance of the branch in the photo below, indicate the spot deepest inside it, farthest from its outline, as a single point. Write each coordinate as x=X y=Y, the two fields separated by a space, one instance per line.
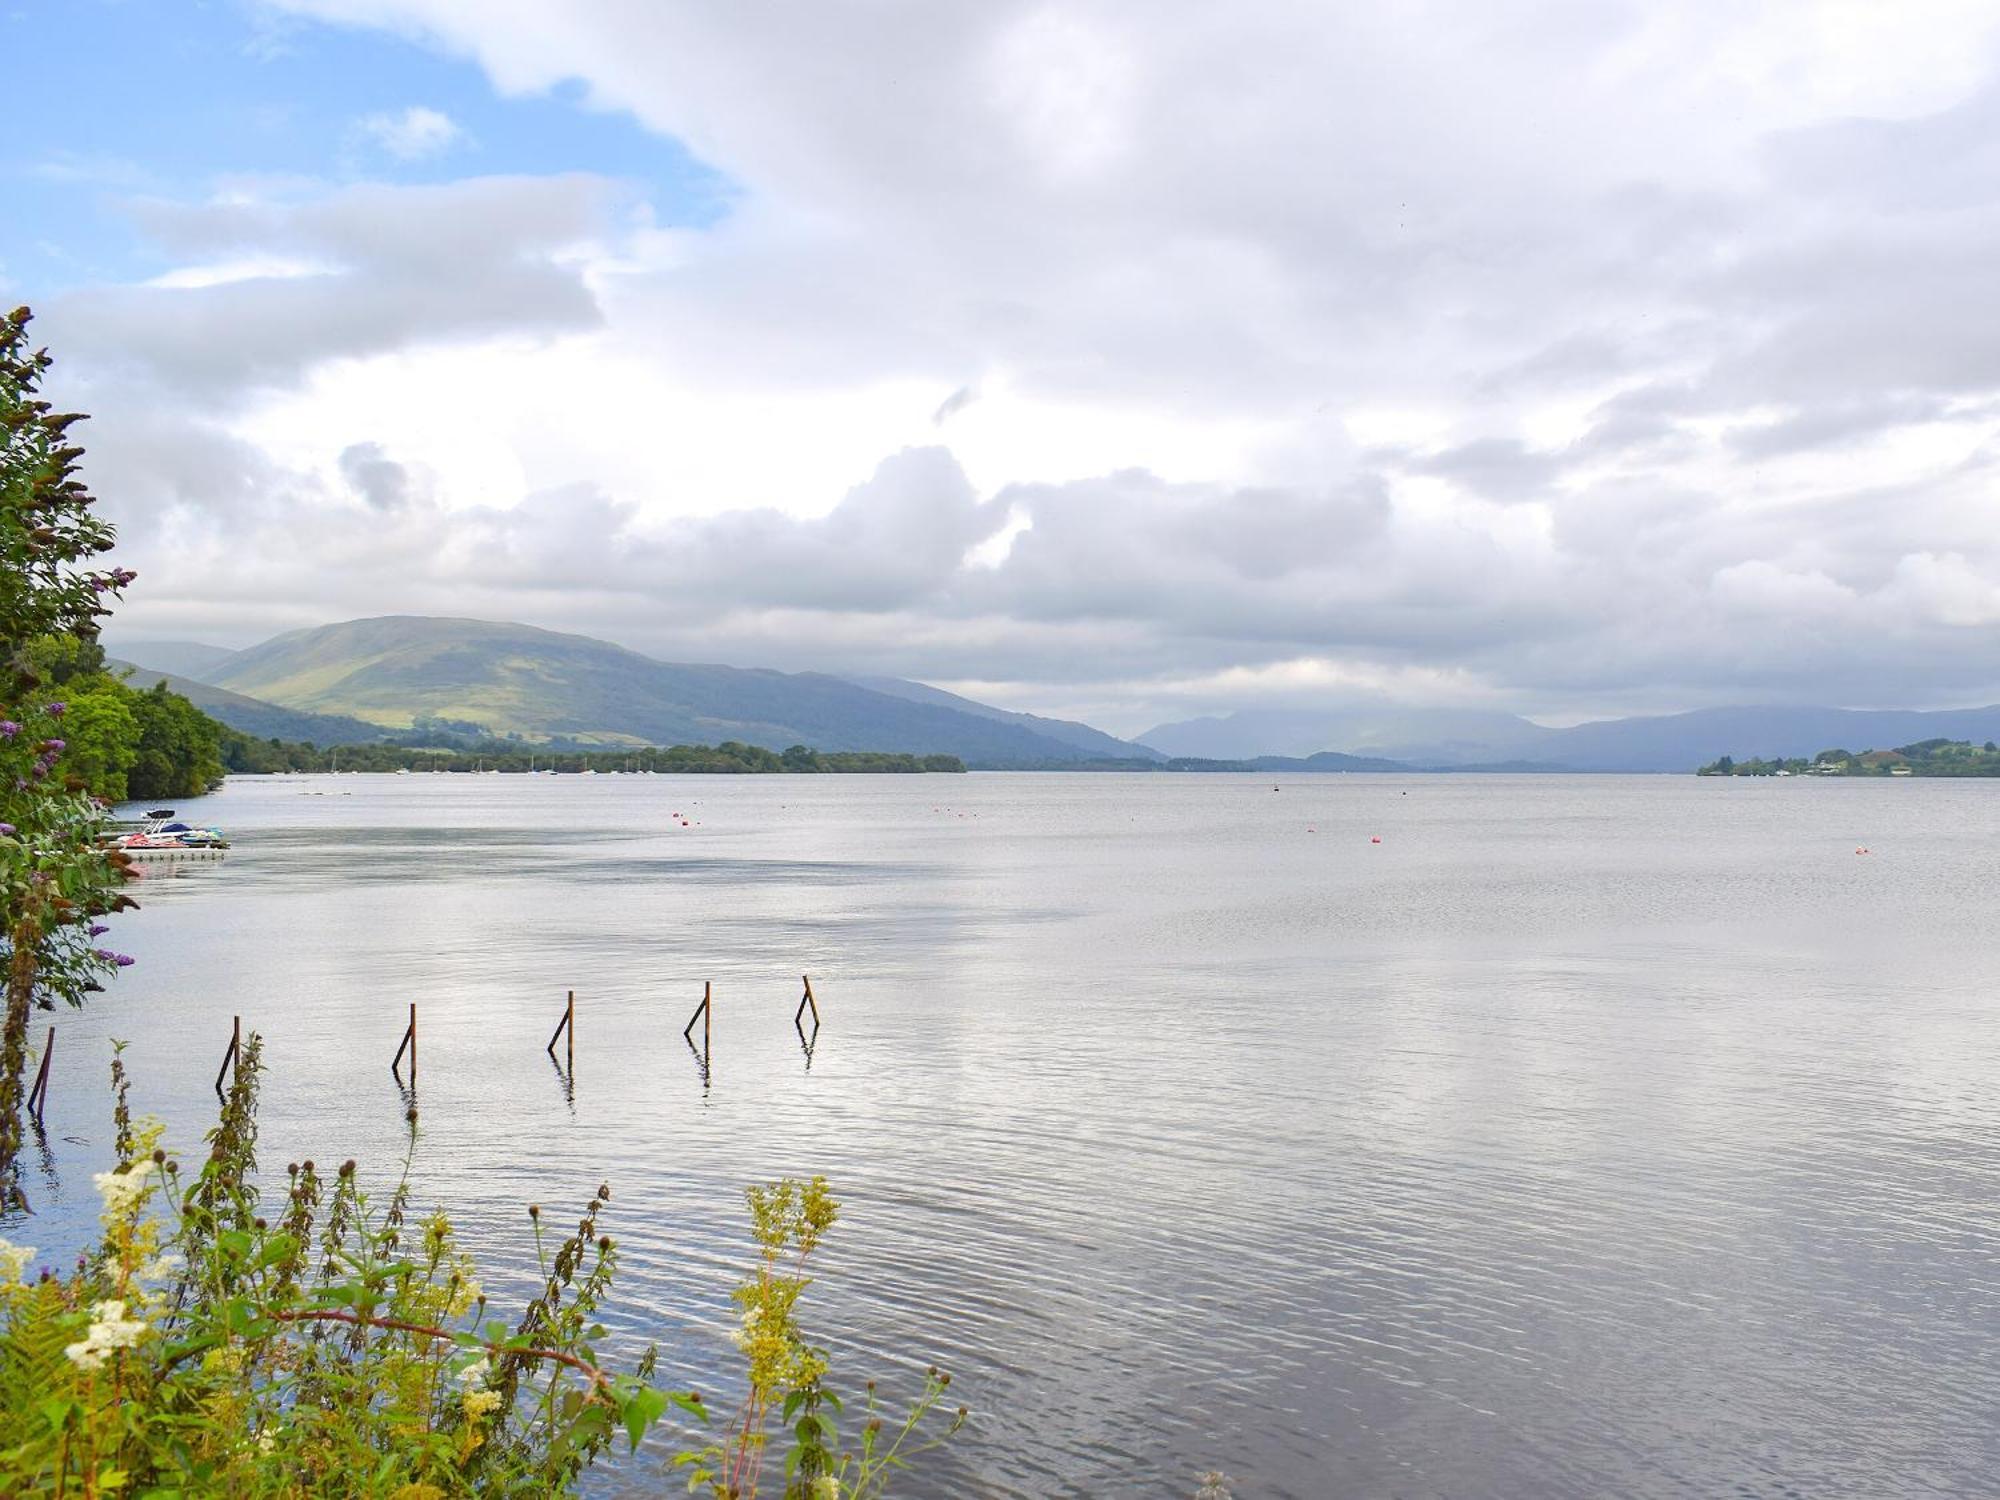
x=599 y=1381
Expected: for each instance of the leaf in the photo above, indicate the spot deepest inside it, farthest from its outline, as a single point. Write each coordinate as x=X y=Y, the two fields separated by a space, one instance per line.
x=642 y=1411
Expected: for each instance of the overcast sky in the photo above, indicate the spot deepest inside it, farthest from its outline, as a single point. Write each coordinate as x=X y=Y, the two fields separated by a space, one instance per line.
x=1128 y=361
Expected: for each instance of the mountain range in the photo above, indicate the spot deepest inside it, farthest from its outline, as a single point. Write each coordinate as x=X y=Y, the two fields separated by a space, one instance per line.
x=399 y=674
x=1449 y=739
x=404 y=673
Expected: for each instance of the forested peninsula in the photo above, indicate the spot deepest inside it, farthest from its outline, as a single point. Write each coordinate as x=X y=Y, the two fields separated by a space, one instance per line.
x=1938 y=757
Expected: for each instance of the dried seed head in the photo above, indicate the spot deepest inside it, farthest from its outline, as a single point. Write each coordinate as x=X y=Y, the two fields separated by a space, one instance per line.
x=534 y=1210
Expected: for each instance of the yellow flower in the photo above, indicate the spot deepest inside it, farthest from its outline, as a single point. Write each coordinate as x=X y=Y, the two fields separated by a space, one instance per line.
x=478 y=1403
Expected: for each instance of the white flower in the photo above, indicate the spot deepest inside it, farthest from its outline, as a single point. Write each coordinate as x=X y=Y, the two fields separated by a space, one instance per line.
x=13 y=1261
x=266 y=1443
x=160 y=1267
x=741 y=1336
x=476 y=1372
x=826 y=1487
x=122 y=1191
x=110 y=1330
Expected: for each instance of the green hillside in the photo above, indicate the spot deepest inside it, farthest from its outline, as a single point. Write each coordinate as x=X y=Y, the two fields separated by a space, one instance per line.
x=401 y=672
x=262 y=720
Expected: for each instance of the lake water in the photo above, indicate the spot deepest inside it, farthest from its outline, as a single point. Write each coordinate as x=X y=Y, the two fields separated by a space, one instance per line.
x=1584 y=1137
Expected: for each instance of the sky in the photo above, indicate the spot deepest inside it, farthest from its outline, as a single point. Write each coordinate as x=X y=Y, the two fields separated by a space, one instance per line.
x=1123 y=361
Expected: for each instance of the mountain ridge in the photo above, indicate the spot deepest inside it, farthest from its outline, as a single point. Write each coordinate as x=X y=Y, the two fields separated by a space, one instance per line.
x=402 y=672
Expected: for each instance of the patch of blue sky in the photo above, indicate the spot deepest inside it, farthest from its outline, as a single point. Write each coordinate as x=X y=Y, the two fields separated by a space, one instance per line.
x=116 y=100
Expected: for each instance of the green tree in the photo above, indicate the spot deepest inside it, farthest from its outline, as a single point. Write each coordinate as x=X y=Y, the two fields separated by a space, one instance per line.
x=102 y=732
x=179 y=749
x=801 y=758
x=55 y=878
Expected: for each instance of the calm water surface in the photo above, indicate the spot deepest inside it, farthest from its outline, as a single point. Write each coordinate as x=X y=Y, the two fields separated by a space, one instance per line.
x=1585 y=1137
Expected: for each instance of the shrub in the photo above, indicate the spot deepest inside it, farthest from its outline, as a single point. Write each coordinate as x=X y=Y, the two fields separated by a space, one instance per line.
x=342 y=1346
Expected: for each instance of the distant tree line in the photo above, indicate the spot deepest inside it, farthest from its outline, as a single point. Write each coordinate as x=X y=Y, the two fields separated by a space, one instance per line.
x=243 y=754
x=1938 y=757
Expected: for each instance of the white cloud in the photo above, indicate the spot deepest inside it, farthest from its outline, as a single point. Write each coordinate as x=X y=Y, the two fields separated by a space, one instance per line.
x=1573 y=357
x=412 y=134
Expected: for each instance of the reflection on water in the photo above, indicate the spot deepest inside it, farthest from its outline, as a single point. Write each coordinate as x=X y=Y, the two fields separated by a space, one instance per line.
x=1586 y=1136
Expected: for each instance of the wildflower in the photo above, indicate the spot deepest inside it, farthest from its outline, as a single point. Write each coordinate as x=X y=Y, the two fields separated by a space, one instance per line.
x=13 y=1261
x=8 y=729
x=122 y=1191
x=266 y=1444
x=160 y=1267
x=742 y=1336
x=465 y=1291
x=826 y=1487
x=97 y=929
x=478 y=1399
x=7 y=828
x=56 y=710
x=480 y=1402
x=110 y=1331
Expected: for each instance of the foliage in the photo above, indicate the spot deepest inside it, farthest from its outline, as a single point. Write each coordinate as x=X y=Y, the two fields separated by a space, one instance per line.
x=179 y=749
x=55 y=879
x=342 y=1349
x=245 y=755
x=1934 y=757
x=787 y=1374
x=343 y=1346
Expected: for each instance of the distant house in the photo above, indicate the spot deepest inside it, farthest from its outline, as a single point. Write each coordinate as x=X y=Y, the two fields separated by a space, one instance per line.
x=1901 y=771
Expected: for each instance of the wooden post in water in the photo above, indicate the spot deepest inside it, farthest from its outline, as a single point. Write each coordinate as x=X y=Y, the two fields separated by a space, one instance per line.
x=798 y=1015
x=230 y=1053
x=703 y=1013
x=39 y=1094
x=409 y=1045
x=568 y=1024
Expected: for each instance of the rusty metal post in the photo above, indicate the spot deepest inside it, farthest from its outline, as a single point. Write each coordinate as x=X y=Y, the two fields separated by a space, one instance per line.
x=39 y=1094
x=229 y=1054
x=566 y=1025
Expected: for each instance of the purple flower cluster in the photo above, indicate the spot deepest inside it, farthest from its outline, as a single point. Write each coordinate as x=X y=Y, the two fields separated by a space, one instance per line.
x=123 y=960
x=8 y=729
x=56 y=710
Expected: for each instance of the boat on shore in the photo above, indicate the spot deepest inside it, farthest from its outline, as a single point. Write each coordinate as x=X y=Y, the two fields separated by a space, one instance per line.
x=161 y=836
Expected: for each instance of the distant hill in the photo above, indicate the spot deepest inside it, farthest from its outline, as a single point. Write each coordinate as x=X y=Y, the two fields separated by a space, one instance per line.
x=182 y=658
x=1389 y=731
x=510 y=679
x=262 y=720
x=1446 y=739
x=1681 y=742
x=1093 y=742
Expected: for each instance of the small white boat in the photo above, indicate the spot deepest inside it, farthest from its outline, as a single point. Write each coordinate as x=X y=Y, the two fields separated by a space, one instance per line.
x=161 y=836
